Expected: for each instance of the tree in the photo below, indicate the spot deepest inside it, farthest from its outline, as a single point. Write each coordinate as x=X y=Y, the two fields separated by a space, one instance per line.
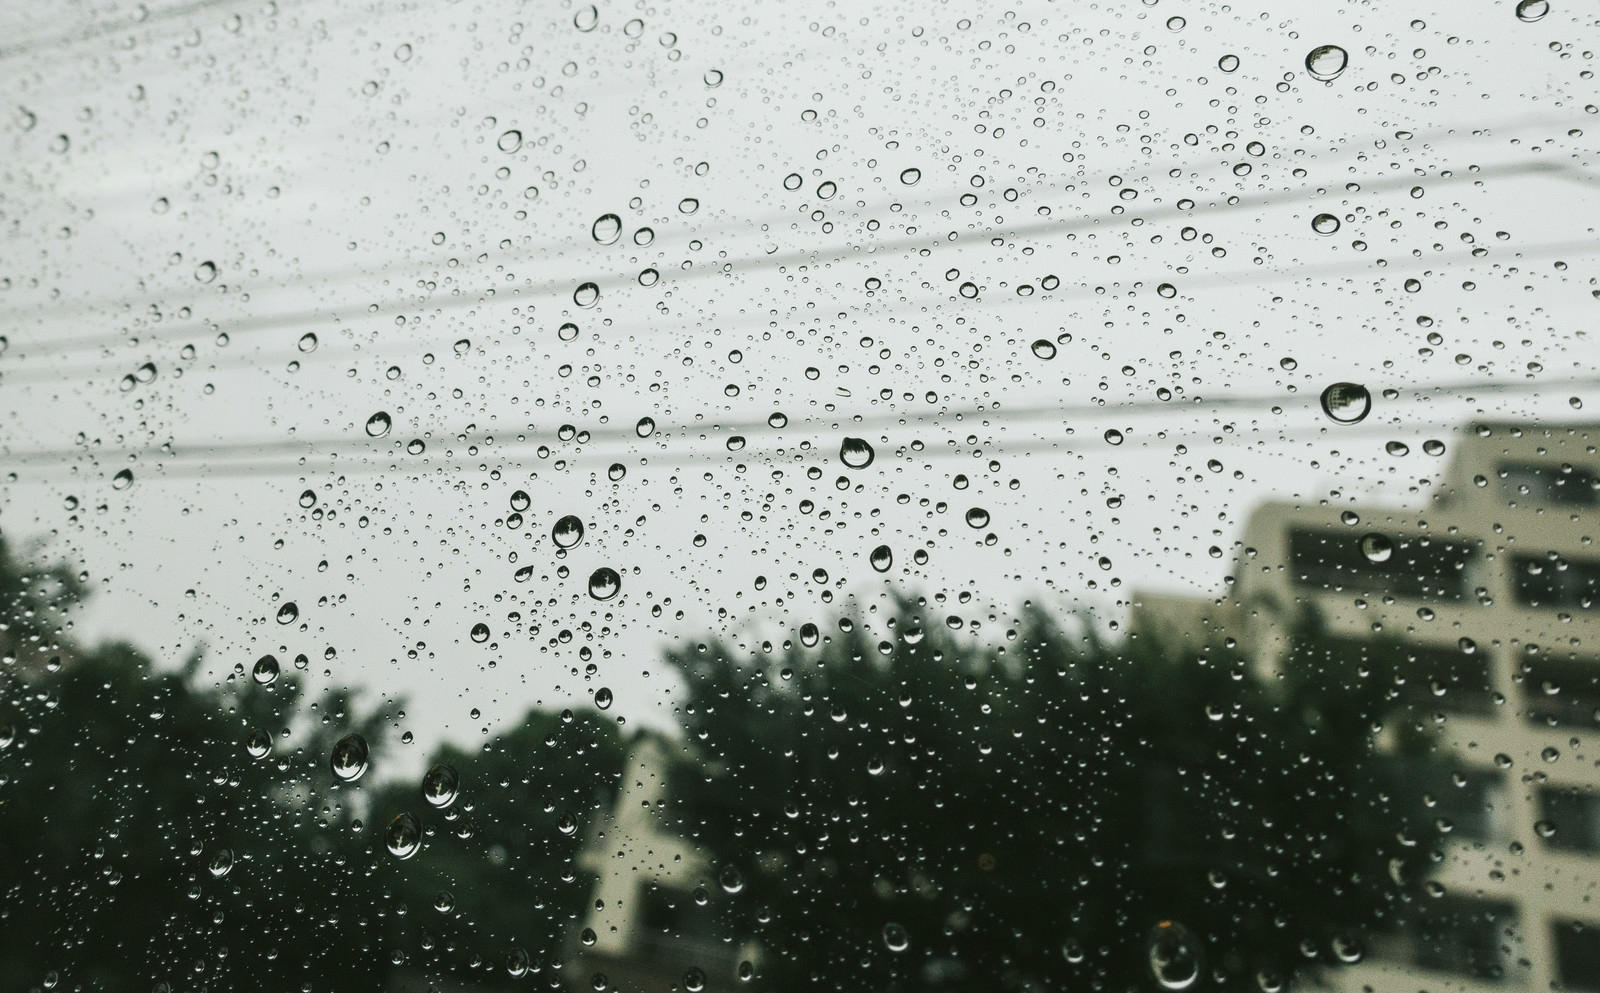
x=923 y=813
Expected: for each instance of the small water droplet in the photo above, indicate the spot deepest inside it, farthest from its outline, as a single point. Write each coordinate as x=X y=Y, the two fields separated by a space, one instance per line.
x=977 y=517
x=645 y=428
x=713 y=78
x=881 y=558
x=896 y=937
x=910 y=177
x=444 y=902
x=307 y=342
x=694 y=980
x=441 y=784
x=1044 y=348
x=403 y=836
x=607 y=228
x=616 y=471
x=1175 y=956
x=1326 y=62
x=1346 y=403
x=688 y=205
x=348 y=761
x=731 y=878
x=221 y=863
x=586 y=18
x=288 y=613
x=777 y=419
x=856 y=453
x=122 y=480
x=1532 y=10
x=567 y=532
x=1325 y=224
x=810 y=634
x=266 y=670
x=258 y=745
x=479 y=632
x=1176 y=23
x=586 y=295
x=205 y=272
x=520 y=500
x=1228 y=63
x=509 y=141
x=378 y=425
x=1113 y=436
x=603 y=698
x=604 y=583
x=1397 y=448
x=1376 y=547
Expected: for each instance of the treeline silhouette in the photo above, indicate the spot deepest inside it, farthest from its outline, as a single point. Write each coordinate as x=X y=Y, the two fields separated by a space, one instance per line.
x=901 y=810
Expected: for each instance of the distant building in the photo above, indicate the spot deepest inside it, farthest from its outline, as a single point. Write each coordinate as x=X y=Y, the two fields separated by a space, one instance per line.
x=1492 y=592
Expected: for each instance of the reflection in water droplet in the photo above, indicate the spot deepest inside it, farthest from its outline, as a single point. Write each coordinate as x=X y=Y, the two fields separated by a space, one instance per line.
x=1175 y=955
x=855 y=453
x=1397 y=448
x=882 y=558
x=688 y=205
x=1347 y=949
x=122 y=480
x=602 y=698
x=1376 y=547
x=266 y=670
x=1325 y=224
x=258 y=745
x=1113 y=436
x=415 y=447
x=606 y=229
x=348 y=762
x=288 y=613
x=777 y=419
x=586 y=18
x=403 y=836
x=510 y=141
x=1228 y=63
x=1346 y=403
x=440 y=786
x=1532 y=10
x=616 y=472
x=713 y=78
x=1326 y=62
x=910 y=177
x=378 y=425
x=810 y=634
x=694 y=980
x=205 y=272
x=479 y=632
x=568 y=531
x=604 y=583
x=221 y=863
x=586 y=295
x=444 y=902
x=896 y=937
x=520 y=500
x=977 y=517
x=645 y=428
x=1044 y=348
x=308 y=342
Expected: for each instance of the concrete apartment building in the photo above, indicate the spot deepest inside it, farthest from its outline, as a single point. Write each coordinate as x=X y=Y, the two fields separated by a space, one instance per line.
x=1491 y=595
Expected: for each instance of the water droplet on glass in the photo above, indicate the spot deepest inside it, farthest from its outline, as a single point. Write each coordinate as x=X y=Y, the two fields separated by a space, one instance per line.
x=520 y=500
x=288 y=613
x=378 y=425
x=205 y=272
x=606 y=229
x=440 y=786
x=568 y=531
x=1113 y=436
x=1397 y=448
x=1228 y=63
x=415 y=447
x=1326 y=62
x=479 y=632
x=586 y=18
x=616 y=471
x=122 y=480
x=1176 y=23
x=977 y=517
x=694 y=980
x=896 y=937
x=910 y=177
x=348 y=762
x=509 y=141
x=645 y=428
x=882 y=558
x=1376 y=547
x=586 y=295
x=1044 y=348
x=713 y=78
x=1346 y=403
x=855 y=453
x=1532 y=10
x=604 y=583
x=792 y=181
x=221 y=863
x=688 y=205
x=1347 y=949
x=1325 y=224
x=403 y=836
x=266 y=670
x=1174 y=955
x=308 y=342
x=603 y=698
x=258 y=745
x=777 y=419
x=732 y=879
x=810 y=634
x=444 y=902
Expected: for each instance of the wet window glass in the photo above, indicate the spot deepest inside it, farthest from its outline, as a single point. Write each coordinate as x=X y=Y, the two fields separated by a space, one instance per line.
x=624 y=497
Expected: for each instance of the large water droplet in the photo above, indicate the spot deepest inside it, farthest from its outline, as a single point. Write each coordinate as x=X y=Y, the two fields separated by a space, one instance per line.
x=1044 y=348
x=810 y=634
x=122 y=480
x=586 y=18
x=266 y=670
x=977 y=517
x=568 y=531
x=606 y=229
x=855 y=453
x=1346 y=403
x=221 y=863
x=205 y=272
x=604 y=583
x=479 y=633
x=1532 y=10
x=307 y=342
x=910 y=177
x=440 y=786
x=586 y=295
x=378 y=425
x=1376 y=547
x=288 y=613
x=645 y=428
x=881 y=558
x=1325 y=224
x=896 y=937
x=1175 y=955
x=603 y=698
x=509 y=141
x=1228 y=63
x=1326 y=62
x=403 y=836
x=348 y=762
x=258 y=745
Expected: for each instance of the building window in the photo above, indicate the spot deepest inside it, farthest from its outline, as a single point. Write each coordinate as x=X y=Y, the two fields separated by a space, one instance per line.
x=1463 y=937
x=1570 y=821
x=1537 y=484
x=1406 y=566
x=1552 y=582
x=1562 y=691
x=1578 y=955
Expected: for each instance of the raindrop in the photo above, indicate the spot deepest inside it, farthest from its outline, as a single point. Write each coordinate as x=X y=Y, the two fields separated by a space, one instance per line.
x=910 y=177
x=122 y=480
x=568 y=531
x=221 y=863
x=604 y=583
x=308 y=342
x=792 y=181
x=603 y=698
x=1113 y=436
x=415 y=446
x=1326 y=62
x=1228 y=63
x=258 y=745
x=896 y=937
x=378 y=425
x=1376 y=547
x=855 y=453
x=713 y=78
x=809 y=634
x=1397 y=448
x=1346 y=403
x=1174 y=955
x=348 y=762
x=1347 y=949
x=288 y=613
x=732 y=879
x=606 y=229
x=688 y=205
x=510 y=141
x=266 y=670
x=444 y=902
x=517 y=963
x=586 y=295
x=1325 y=224
x=1176 y=23
x=977 y=517
x=205 y=272
x=403 y=836
x=1532 y=10
x=777 y=419
x=616 y=472
x=694 y=980
x=441 y=784
x=881 y=558
x=586 y=18
x=479 y=632
x=645 y=428
x=520 y=500
x=1044 y=348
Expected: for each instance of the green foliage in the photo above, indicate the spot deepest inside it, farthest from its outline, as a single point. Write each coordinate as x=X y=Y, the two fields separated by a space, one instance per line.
x=1027 y=815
